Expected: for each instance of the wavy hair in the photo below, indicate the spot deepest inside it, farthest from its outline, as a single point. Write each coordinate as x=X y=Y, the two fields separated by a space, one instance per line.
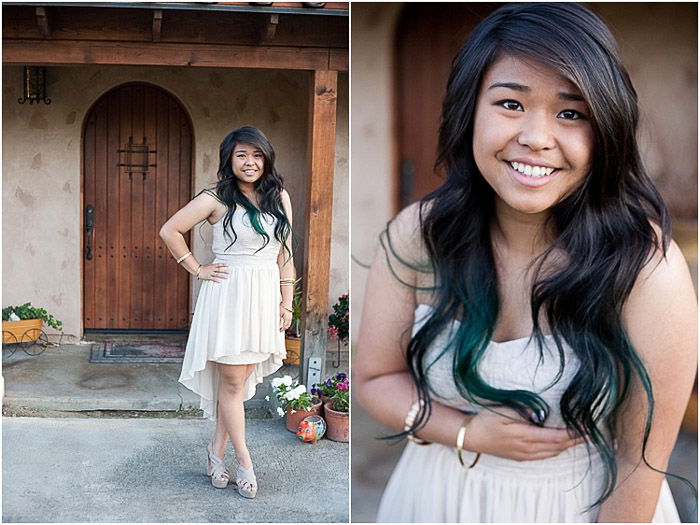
x=605 y=227
x=269 y=187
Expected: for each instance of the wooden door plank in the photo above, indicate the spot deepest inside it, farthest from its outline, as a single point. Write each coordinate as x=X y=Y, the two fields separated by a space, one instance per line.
x=89 y=199
x=124 y=211
x=319 y=208
x=112 y=219
x=173 y=174
x=149 y=227
x=161 y=207
x=101 y=211
x=182 y=321
x=137 y=274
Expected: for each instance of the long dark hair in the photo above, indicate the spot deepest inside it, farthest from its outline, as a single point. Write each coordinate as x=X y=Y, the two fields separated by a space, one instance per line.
x=604 y=227
x=269 y=187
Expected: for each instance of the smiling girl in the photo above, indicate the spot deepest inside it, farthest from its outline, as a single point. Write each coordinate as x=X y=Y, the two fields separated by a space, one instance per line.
x=245 y=302
x=532 y=319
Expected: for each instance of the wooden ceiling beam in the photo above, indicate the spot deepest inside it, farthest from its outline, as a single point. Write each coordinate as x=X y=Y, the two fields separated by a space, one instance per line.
x=74 y=52
x=42 y=20
x=157 y=22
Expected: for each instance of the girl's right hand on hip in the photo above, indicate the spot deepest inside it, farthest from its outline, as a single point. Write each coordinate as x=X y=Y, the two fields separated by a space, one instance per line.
x=214 y=272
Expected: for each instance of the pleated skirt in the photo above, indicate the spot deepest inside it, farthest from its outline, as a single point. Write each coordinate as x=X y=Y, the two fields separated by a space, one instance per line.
x=429 y=485
x=235 y=322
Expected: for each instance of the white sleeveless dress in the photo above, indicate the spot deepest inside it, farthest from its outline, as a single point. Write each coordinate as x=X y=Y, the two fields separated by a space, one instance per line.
x=429 y=484
x=236 y=321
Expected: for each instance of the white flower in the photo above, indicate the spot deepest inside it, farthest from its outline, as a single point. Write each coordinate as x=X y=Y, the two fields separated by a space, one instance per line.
x=280 y=412
x=287 y=380
x=301 y=389
x=276 y=382
x=291 y=395
x=267 y=398
x=294 y=411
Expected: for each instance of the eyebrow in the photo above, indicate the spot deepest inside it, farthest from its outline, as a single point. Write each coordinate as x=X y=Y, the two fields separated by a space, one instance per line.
x=526 y=89
x=246 y=151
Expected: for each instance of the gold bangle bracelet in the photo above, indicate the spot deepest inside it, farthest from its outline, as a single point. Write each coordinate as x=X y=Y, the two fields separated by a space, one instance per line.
x=183 y=257
x=199 y=270
x=460 y=443
x=286 y=284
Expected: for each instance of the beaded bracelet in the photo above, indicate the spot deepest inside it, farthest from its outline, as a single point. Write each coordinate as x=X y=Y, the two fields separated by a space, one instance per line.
x=408 y=423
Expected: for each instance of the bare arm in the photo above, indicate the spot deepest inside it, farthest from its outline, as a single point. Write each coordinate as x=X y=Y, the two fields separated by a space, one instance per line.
x=660 y=317
x=285 y=261
x=386 y=390
x=197 y=210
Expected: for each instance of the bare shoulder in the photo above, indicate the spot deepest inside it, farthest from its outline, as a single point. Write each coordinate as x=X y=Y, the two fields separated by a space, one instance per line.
x=207 y=199
x=660 y=314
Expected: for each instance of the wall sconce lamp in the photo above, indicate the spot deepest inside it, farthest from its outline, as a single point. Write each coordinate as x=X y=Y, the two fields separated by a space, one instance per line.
x=34 y=85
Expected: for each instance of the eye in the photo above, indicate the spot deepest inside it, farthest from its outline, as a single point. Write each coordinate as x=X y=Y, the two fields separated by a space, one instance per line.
x=511 y=105
x=571 y=114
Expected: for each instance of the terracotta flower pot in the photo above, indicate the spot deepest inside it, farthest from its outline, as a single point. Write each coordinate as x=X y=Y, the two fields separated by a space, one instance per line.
x=338 y=424
x=293 y=420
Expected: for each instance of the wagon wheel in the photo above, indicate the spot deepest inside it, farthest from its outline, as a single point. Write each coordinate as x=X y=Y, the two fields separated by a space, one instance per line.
x=9 y=346
x=31 y=344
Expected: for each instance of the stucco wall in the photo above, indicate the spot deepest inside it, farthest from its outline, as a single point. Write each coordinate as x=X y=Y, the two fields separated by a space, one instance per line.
x=42 y=177
x=662 y=62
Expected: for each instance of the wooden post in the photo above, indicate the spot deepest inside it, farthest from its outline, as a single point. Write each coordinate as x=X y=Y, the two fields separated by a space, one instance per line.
x=319 y=208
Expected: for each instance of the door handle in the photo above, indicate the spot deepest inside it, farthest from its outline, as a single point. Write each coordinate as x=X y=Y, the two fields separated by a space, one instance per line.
x=89 y=228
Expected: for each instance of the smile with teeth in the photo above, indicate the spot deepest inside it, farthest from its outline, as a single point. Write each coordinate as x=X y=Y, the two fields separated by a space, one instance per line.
x=531 y=171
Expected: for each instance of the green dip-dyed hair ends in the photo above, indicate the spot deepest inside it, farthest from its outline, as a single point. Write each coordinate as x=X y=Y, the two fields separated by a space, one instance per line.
x=268 y=187
x=605 y=228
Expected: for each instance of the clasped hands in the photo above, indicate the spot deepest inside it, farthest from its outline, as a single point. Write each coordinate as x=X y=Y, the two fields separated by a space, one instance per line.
x=506 y=434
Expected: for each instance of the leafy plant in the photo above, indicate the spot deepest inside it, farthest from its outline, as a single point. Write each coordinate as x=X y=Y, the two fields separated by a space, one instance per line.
x=295 y=329
x=339 y=320
x=291 y=394
x=337 y=389
x=27 y=311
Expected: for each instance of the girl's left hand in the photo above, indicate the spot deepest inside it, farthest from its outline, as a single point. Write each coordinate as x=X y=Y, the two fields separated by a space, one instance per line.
x=285 y=319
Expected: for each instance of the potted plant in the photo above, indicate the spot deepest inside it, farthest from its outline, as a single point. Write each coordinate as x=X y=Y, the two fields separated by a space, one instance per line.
x=337 y=408
x=296 y=402
x=23 y=323
x=292 y=337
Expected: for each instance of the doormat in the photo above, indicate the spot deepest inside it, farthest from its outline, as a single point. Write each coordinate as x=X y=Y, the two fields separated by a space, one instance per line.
x=137 y=352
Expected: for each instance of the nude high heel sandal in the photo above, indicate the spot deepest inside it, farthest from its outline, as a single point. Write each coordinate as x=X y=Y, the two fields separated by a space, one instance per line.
x=245 y=483
x=216 y=469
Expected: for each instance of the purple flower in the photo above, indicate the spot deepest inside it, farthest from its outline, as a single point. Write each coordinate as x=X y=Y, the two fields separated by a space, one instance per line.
x=329 y=382
x=340 y=376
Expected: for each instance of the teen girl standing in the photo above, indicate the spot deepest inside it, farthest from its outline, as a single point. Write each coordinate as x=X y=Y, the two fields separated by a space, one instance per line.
x=532 y=320
x=245 y=302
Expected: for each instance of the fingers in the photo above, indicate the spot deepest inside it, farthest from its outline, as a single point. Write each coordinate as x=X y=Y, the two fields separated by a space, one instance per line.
x=217 y=272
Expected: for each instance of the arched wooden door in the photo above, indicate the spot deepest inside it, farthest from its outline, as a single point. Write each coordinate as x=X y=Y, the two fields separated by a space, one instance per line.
x=137 y=157
x=429 y=36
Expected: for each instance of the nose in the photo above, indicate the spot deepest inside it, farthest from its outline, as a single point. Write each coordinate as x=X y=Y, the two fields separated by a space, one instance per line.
x=537 y=131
